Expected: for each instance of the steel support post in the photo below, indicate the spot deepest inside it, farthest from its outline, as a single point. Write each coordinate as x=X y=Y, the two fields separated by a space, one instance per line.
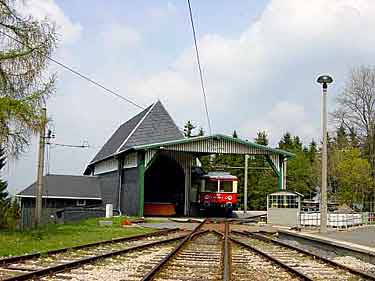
x=323 y=191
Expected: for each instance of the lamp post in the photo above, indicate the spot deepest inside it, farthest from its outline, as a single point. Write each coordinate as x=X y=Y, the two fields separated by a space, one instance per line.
x=324 y=80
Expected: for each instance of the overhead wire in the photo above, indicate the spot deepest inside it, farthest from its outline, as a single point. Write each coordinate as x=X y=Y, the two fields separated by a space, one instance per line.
x=106 y=89
x=199 y=68
x=85 y=77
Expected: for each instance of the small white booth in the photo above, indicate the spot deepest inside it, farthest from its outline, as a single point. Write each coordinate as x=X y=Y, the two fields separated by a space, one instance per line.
x=284 y=208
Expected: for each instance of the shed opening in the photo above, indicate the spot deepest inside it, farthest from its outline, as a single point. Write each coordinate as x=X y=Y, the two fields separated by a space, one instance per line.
x=164 y=187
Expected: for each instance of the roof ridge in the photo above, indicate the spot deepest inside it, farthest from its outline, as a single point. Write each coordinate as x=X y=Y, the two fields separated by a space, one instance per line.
x=135 y=128
x=103 y=153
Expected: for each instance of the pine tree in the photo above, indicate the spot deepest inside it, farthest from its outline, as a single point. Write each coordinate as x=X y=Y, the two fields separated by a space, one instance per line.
x=235 y=134
x=341 y=139
x=286 y=142
x=188 y=129
x=201 y=132
x=261 y=181
x=312 y=150
x=261 y=138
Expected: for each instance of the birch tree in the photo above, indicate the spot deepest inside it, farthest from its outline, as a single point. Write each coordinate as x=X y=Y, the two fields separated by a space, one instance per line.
x=356 y=109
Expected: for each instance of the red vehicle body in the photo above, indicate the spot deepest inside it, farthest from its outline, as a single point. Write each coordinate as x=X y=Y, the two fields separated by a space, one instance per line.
x=218 y=198
x=218 y=191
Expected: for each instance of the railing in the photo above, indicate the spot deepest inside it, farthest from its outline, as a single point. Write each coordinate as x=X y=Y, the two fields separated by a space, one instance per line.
x=337 y=220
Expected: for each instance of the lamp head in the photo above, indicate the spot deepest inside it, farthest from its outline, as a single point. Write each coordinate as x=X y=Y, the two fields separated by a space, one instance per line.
x=324 y=79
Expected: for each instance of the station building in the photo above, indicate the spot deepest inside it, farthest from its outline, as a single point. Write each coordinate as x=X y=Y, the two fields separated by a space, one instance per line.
x=148 y=160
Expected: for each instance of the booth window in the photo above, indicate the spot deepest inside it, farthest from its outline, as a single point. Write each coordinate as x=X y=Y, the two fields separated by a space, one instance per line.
x=283 y=201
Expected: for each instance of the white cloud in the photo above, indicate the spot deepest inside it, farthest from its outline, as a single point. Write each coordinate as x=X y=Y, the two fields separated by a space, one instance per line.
x=263 y=79
x=49 y=9
x=282 y=118
x=271 y=65
x=162 y=12
x=120 y=36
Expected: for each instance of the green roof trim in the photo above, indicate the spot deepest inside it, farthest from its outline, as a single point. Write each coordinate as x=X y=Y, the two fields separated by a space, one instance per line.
x=218 y=137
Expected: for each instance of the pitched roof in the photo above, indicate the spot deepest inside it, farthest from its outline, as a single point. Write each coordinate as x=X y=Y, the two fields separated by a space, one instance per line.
x=66 y=186
x=118 y=137
x=154 y=124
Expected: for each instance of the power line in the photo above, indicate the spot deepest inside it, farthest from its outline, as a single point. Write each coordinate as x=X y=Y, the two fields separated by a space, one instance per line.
x=72 y=145
x=199 y=67
x=76 y=72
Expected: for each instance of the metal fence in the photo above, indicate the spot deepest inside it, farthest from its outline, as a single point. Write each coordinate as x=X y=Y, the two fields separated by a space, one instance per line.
x=337 y=220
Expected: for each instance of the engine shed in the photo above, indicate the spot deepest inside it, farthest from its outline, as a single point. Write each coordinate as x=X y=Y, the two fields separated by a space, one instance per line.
x=148 y=161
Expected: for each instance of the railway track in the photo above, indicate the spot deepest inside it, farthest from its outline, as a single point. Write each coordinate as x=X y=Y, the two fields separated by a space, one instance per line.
x=39 y=264
x=209 y=252
x=302 y=264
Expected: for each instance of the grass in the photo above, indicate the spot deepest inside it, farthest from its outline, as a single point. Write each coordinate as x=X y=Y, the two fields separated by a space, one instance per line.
x=56 y=236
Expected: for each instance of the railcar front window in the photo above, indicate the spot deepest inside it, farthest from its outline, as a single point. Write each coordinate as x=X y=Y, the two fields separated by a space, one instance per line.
x=226 y=186
x=211 y=186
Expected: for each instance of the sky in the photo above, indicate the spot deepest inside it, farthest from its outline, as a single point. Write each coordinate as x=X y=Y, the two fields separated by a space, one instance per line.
x=260 y=62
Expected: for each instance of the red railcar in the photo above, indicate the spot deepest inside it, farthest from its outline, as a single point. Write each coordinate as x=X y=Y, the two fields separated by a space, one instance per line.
x=218 y=191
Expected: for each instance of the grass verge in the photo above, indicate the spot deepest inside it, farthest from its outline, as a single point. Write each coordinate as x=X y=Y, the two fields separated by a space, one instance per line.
x=56 y=236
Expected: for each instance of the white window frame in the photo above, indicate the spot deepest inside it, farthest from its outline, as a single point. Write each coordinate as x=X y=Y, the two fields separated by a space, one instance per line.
x=130 y=160
x=78 y=204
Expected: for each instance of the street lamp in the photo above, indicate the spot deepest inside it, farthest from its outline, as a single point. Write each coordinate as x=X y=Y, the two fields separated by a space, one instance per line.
x=324 y=80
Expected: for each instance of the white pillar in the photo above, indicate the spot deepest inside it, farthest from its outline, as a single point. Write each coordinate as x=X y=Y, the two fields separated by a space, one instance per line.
x=245 y=184
x=284 y=173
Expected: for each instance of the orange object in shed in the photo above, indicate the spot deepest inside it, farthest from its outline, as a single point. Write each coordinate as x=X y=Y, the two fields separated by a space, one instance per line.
x=159 y=209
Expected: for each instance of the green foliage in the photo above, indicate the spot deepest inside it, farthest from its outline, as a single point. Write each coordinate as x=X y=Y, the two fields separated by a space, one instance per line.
x=9 y=209
x=189 y=129
x=23 y=84
x=354 y=177
x=262 y=138
x=301 y=175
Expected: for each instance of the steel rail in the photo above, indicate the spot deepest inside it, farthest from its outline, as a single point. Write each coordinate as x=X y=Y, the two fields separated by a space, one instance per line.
x=274 y=260
x=8 y=260
x=313 y=255
x=73 y=264
x=156 y=268
x=226 y=254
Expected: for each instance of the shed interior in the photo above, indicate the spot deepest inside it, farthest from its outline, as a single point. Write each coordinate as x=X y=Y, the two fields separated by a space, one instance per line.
x=165 y=183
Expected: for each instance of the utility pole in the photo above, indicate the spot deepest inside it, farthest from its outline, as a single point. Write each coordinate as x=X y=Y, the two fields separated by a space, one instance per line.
x=245 y=183
x=40 y=172
x=324 y=80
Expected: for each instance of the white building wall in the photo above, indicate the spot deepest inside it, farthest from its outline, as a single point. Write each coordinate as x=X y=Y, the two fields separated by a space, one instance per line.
x=106 y=166
x=130 y=160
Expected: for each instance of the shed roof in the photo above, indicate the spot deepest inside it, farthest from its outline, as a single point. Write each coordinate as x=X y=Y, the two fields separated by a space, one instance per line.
x=220 y=175
x=154 y=124
x=215 y=144
x=284 y=192
x=66 y=187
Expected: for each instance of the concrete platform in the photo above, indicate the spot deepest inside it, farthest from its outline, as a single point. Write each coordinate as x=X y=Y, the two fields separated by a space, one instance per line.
x=364 y=236
x=355 y=242
x=361 y=237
